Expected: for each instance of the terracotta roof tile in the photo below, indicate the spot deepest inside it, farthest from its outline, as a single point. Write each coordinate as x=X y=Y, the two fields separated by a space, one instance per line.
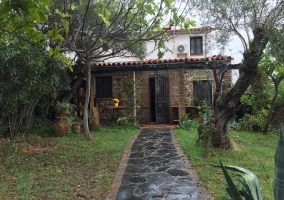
x=193 y=29
x=160 y=61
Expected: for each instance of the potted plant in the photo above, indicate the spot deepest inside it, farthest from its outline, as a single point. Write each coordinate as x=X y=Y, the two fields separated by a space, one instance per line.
x=63 y=122
x=115 y=101
x=64 y=109
x=122 y=120
x=76 y=124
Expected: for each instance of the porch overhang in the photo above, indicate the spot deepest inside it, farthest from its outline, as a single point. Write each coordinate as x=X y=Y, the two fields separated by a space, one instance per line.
x=221 y=62
x=158 y=67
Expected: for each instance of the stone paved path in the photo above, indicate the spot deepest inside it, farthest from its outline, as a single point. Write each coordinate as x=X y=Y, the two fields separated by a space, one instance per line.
x=156 y=170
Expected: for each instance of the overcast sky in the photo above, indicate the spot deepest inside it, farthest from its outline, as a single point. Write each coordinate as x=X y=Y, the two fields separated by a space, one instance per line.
x=235 y=50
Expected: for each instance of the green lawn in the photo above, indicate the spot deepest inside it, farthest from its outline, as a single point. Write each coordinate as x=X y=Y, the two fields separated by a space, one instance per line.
x=62 y=168
x=72 y=168
x=253 y=151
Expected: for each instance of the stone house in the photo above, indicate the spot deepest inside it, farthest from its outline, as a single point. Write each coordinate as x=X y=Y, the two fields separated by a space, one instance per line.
x=160 y=90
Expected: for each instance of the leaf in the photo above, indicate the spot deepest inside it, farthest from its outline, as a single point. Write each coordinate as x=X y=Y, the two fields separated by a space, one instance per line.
x=71 y=68
x=65 y=25
x=50 y=52
x=56 y=51
x=107 y=22
x=160 y=54
x=278 y=184
x=35 y=14
x=248 y=177
x=231 y=186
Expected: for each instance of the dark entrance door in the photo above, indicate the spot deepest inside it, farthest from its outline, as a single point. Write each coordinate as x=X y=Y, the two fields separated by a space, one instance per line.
x=159 y=95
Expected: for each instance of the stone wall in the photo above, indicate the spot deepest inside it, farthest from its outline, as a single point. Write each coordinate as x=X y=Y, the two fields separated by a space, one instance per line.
x=180 y=88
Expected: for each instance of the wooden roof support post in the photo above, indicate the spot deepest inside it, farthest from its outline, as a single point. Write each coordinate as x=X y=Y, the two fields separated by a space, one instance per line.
x=181 y=95
x=134 y=93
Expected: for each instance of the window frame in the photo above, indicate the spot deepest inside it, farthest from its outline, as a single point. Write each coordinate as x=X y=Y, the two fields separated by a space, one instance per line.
x=194 y=48
x=207 y=95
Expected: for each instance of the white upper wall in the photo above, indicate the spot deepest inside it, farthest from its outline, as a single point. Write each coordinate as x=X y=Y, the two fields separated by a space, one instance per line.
x=172 y=44
x=176 y=40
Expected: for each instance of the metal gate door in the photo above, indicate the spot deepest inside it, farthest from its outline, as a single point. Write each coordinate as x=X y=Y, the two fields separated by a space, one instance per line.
x=162 y=100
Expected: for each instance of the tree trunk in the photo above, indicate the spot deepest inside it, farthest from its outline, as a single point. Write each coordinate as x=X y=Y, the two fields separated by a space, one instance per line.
x=272 y=105
x=225 y=107
x=74 y=88
x=86 y=102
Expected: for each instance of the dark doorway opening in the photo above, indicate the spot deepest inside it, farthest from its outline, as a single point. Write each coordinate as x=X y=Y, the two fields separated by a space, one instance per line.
x=159 y=100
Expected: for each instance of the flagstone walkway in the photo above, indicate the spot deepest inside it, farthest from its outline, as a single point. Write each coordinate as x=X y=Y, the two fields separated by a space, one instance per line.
x=155 y=168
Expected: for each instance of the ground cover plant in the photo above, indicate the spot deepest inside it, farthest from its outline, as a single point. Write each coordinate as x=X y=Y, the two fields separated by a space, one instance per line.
x=252 y=151
x=35 y=167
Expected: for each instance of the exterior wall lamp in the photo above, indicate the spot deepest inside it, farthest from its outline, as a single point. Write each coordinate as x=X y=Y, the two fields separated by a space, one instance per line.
x=186 y=74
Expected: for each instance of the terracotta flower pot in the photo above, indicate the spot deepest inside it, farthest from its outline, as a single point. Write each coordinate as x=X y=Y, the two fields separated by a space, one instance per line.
x=60 y=127
x=77 y=127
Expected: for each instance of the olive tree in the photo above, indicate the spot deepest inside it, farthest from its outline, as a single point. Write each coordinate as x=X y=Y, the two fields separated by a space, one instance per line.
x=255 y=22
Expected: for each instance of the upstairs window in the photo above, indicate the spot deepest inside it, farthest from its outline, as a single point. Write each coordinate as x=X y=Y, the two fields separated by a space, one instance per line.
x=196 y=45
x=104 y=87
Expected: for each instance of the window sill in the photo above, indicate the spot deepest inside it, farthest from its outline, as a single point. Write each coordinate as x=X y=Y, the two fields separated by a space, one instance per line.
x=196 y=54
x=103 y=98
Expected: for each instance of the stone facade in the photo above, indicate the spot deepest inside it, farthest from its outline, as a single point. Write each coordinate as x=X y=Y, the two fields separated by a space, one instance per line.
x=180 y=90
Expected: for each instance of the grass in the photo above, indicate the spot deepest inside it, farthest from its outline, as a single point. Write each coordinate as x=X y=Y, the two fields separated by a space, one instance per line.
x=70 y=167
x=253 y=151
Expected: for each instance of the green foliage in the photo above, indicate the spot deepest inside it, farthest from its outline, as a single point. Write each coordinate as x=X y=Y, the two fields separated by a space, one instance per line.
x=45 y=131
x=24 y=80
x=234 y=125
x=131 y=98
x=247 y=186
x=122 y=120
x=25 y=20
x=205 y=111
x=256 y=122
x=278 y=183
x=271 y=67
x=264 y=93
x=121 y=25
x=66 y=107
x=280 y=97
x=18 y=18
x=186 y=123
x=247 y=99
x=206 y=128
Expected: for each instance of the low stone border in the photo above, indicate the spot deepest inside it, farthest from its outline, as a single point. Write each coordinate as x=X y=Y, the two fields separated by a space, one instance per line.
x=123 y=163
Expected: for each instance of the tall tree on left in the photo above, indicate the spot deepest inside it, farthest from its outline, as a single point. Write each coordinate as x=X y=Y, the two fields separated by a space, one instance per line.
x=28 y=71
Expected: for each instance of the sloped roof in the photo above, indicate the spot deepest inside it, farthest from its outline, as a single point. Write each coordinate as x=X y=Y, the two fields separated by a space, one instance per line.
x=192 y=30
x=216 y=61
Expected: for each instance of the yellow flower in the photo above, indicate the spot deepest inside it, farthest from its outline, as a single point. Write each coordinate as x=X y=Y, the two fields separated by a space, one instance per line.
x=198 y=107
x=116 y=100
